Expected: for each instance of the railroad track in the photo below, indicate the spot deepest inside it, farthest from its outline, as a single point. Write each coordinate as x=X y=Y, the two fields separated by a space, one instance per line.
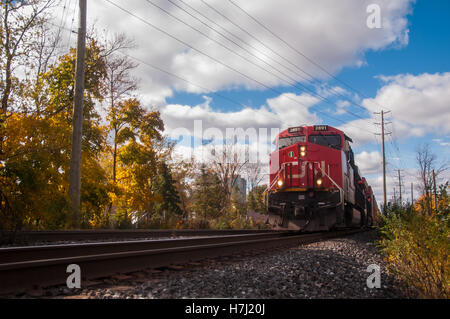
x=30 y=237
x=22 y=268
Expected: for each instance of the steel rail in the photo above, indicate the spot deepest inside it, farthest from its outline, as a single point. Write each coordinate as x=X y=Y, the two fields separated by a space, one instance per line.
x=16 y=254
x=82 y=235
x=48 y=265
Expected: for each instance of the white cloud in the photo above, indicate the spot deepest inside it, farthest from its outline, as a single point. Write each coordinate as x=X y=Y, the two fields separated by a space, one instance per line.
x=280 y=112
x=260 y=125
x=369 y=163
x=290 y=107
x=360 y=131
x=334 y=35
x=341 y=106
x=419 y=103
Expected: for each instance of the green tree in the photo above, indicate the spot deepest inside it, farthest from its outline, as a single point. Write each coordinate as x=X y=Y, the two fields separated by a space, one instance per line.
x=208 y=195
x=183 y=172
x=169 y=203
x=238 y=203
x=256 y=199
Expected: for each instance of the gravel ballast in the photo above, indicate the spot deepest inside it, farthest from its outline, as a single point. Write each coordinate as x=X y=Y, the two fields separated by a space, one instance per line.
x=335 y=268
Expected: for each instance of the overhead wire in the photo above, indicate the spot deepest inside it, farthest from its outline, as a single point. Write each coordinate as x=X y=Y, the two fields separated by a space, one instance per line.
x=182 y=79
x=276 y=53
x=216 y=60
x=293 y=81
x=296 y=50
x=71 y=25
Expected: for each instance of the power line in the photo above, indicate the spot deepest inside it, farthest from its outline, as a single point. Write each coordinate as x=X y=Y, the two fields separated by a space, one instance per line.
x=62 y=19
x=180 y=78
x=216 y=60
x=193 y=84
x=276 y=53
x=71 y=26
x=228 y=32
x=293 y=84
x=291 y=63
x=187 y=81
x=266 y=46
x=296 y=50
x=207 y=89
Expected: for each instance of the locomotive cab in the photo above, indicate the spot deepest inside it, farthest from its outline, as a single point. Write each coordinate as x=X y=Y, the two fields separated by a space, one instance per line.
x=313 y=180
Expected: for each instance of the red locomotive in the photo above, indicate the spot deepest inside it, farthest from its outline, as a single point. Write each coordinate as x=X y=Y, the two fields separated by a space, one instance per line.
x=314 y=182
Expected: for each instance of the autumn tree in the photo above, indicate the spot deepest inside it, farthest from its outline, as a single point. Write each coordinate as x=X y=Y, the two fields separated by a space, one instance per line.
x=141 y=142
x=34 y=173
x=424 y=204
x=256 y=199
x=254 y=174
x=20 y=22
x=227 y=163
x=427 y=163
x=238 y=203
x=119 y=85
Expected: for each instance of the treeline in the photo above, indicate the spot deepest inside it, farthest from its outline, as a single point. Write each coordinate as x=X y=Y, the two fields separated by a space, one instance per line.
x=130 y=177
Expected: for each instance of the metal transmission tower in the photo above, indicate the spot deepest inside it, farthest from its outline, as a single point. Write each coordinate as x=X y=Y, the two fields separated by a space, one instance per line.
x=383 y=133
x=77 y=124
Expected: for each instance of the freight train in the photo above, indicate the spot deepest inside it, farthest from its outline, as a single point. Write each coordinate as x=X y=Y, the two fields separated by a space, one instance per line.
x=315 y=184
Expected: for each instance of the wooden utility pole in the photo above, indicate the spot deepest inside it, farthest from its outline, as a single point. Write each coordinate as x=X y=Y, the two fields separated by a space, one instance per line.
x=412 y=195
x=400 y=186
x=384 y=157
x=77 y=124
x=435 y=193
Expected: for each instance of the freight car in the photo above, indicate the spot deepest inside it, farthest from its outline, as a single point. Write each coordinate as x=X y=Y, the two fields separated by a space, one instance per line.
x=315 y=184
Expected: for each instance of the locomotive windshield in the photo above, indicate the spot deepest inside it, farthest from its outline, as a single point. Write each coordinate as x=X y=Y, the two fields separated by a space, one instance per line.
x=286 y=141
x=333 y=141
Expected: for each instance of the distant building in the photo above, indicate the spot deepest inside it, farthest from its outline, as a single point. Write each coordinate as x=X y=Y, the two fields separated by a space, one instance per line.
x=241 y=184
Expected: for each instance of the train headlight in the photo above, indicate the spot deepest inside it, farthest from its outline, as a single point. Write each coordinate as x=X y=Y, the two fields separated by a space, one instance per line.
x=319 y=182
x=280 y=183
x=302 y=154
x=302 y=148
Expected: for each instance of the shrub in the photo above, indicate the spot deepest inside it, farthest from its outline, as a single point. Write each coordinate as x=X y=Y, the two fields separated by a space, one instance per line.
x=416 y=248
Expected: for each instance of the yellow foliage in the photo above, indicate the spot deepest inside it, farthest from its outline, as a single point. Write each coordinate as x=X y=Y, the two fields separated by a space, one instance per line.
x=423 y=204
x=36 y=150
x=417 y=249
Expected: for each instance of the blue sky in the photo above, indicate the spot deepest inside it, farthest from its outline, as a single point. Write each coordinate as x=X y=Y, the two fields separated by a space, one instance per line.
x=402 y=66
